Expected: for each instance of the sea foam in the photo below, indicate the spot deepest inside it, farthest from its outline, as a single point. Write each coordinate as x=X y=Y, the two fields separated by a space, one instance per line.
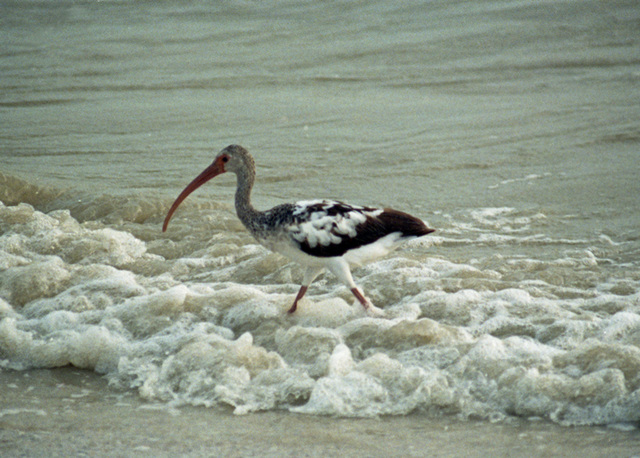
x=202 y=320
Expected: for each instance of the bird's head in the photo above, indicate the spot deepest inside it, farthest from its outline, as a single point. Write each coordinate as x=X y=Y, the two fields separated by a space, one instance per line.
x=234 y=158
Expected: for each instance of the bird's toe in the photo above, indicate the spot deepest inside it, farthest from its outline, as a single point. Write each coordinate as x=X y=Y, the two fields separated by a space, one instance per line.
x=374 y=311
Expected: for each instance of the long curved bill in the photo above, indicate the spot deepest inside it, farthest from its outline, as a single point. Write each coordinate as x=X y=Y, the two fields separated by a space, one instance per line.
x=210 y=172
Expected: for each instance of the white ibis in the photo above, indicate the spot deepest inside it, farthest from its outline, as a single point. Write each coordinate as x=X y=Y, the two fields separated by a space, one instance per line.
x=319 y=234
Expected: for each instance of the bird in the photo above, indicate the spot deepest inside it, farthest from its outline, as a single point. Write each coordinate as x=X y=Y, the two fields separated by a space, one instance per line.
x=318 y=234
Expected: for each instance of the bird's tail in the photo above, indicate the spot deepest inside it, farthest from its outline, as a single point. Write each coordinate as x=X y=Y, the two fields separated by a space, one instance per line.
x=410 y=226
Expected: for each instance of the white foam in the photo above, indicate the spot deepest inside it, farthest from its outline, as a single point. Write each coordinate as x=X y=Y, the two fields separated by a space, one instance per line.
x=89 y=347
x=6 y=412
x=306 y=345
x=550 y=333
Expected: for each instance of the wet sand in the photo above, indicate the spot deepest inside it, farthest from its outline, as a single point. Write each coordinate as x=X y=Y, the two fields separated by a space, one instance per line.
x=69 y=412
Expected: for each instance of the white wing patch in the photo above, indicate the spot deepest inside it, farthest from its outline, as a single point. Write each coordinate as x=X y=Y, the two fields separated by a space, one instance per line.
x=325 y=222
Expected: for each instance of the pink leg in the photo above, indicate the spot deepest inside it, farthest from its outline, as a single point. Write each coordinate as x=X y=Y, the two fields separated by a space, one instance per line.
x=363 y=300
x=303 y=289
x=310 y=274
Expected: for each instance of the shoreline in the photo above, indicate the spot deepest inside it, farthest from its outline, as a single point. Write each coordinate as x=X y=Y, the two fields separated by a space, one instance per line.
x=68 y=411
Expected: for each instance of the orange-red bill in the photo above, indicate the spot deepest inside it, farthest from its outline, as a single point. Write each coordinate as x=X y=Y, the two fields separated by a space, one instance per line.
x=213 y=170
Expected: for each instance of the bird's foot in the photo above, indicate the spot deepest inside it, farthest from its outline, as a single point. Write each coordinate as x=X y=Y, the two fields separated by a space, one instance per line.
x=374 y=311
x=369 y=308
x=294 y=307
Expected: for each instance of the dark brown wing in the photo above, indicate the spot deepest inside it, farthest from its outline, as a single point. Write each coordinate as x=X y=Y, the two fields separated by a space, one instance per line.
x=328 y=228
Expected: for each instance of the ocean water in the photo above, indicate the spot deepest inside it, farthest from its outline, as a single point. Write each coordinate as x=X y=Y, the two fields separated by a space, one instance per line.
x=510 y=127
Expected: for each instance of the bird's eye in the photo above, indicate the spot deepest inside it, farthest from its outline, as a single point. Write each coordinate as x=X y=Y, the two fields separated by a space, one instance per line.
x=225 y=158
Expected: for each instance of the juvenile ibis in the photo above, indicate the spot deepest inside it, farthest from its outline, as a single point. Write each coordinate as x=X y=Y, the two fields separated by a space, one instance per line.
x=319 y=234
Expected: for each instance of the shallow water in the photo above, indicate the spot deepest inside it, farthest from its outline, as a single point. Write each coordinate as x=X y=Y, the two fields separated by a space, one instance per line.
x=510 y=128
x=84 y=416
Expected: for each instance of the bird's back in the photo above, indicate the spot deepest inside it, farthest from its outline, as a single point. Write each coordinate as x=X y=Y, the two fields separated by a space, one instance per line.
x=330 y=228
